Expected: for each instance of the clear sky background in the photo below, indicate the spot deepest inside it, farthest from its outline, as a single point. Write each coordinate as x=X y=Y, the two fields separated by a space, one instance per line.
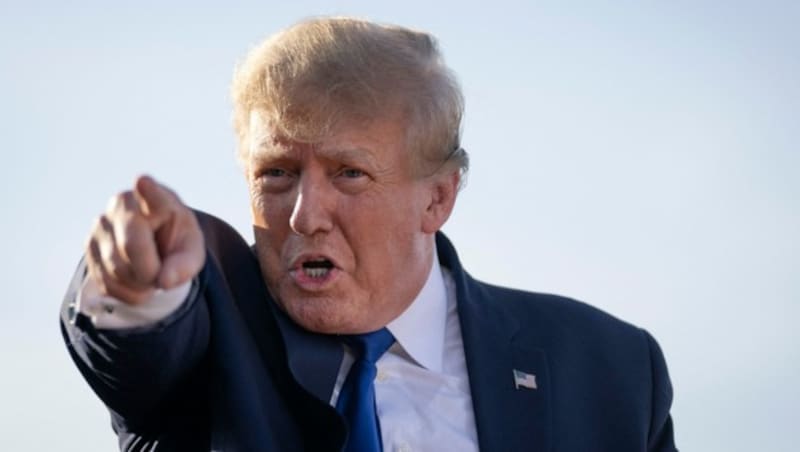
x=639 y=155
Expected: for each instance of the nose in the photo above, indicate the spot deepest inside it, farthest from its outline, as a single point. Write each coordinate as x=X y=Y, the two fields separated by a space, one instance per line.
x=312 y=211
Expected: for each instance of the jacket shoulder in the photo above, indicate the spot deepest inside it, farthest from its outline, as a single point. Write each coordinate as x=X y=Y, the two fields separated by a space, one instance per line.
x=558 y=311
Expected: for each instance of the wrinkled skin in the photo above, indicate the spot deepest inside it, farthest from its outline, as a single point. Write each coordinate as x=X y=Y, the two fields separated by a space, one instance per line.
x=351 y=205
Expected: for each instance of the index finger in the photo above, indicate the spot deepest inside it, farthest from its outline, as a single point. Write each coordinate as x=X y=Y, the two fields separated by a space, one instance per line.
x=156 y=201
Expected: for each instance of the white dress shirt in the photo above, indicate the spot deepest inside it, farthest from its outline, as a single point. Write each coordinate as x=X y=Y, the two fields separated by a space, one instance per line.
x=422 y=389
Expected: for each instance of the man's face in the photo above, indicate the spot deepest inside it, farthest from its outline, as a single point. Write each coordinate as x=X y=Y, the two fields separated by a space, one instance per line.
x=340 y=225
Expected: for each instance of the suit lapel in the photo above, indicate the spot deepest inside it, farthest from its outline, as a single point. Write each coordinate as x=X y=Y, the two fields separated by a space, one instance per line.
x=299 y=367
x=314 y=359
x=508 y=416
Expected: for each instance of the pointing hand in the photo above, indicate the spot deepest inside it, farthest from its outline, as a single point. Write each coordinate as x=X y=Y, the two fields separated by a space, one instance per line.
x=146 y=239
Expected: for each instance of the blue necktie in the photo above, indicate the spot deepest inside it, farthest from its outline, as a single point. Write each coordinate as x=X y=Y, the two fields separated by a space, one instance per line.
x=357 y=397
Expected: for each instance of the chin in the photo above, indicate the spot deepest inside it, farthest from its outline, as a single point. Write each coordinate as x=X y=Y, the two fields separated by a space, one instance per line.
x=324 y=316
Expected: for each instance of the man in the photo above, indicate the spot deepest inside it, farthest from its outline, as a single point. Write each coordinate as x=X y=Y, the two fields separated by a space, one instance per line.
x=349 y=140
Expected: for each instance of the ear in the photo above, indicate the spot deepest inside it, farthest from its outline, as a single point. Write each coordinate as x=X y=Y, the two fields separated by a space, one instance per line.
x=443 y=189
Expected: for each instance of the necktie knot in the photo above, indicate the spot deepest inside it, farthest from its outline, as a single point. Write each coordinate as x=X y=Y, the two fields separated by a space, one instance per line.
x=371 y=346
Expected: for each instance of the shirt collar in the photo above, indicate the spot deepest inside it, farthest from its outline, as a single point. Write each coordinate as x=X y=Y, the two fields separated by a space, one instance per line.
x=420 y=329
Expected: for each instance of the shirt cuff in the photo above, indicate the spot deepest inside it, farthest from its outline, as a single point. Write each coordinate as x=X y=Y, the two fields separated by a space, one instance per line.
x=109 y=313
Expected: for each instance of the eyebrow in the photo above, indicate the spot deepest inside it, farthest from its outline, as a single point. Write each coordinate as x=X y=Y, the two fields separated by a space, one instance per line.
x=266 y=151
x=347 y=155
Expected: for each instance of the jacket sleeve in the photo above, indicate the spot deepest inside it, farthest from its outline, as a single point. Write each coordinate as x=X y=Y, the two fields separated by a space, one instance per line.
x=135 y=371
x=661 y=438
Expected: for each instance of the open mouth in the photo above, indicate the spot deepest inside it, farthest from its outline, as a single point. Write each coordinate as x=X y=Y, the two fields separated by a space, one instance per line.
x=317 y=268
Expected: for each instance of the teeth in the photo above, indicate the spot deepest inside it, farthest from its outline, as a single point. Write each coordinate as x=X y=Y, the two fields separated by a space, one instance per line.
x=315 y=272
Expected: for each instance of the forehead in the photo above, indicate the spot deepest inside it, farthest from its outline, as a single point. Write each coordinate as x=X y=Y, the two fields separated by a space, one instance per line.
x=371 y=142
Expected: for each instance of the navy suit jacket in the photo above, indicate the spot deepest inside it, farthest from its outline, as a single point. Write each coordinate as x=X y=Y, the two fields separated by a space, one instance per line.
x=230 y=371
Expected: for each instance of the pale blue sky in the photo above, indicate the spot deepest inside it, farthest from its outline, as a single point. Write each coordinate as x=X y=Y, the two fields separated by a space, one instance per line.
x=642 y=157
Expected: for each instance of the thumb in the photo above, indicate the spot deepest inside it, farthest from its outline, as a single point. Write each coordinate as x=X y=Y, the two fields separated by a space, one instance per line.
x=184 y=260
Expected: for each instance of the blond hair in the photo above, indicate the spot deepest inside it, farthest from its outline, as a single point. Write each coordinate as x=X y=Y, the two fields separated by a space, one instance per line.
x=324 y=73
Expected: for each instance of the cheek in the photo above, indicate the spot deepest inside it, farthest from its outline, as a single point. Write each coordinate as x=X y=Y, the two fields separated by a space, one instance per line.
x=258 y=208
x=384 y=241
x=269 y=260
x=259 y=218
x=270 y=212
x=271 y=231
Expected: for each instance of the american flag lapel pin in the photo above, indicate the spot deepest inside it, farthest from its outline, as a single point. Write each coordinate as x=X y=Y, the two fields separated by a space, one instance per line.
x=524 y=380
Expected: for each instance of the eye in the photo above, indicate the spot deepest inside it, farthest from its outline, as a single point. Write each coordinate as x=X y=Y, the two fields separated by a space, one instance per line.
x=273 y=180
x=352 y=173
x=352 y=180
x=273 y=172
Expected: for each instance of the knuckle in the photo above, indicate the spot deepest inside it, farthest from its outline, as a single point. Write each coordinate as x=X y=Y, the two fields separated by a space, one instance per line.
x=92 y=249
x=97 y=225
x=122 y=201
x=105 y=246
x=100 y=277
x=114 y=202
x=133 y=245
x=92 y=269
x=115 y=269
x=130 y=246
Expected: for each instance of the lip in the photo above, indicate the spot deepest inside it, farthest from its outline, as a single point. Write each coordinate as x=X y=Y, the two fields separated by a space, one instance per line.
x=297 y=263
x=308 y=283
